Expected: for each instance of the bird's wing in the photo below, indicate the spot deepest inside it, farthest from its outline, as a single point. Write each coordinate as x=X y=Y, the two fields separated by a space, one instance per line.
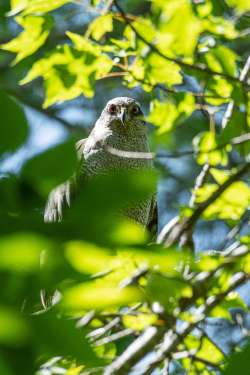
x=61 y=196
x=153 y=218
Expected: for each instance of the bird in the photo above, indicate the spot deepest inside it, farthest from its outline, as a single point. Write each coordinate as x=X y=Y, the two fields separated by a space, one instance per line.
x=121 y=128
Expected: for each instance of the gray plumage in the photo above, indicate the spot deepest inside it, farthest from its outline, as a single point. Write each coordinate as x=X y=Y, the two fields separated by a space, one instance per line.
x=120 y=127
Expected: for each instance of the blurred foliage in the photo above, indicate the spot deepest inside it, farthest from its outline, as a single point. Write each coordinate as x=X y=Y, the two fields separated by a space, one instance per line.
x=118 y=296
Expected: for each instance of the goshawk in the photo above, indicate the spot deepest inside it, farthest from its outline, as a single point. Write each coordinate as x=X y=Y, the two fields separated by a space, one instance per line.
x=120 y=127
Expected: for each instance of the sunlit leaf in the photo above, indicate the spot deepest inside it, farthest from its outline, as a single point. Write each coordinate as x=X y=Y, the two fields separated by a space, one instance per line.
x=100 y=26
x=87 y=257
x=231 y=204
x=233 y=300
x=208 y=262
x=140 y=321
x=129 y=232
x=222 y=59
x=211 y=351
x=21 y=252
x=62 y=70
x=173 y=37
x=97 y=295
x=209 y=151
x=240 y=5
x=35 y=6
x=166 y=114
x=36 y=31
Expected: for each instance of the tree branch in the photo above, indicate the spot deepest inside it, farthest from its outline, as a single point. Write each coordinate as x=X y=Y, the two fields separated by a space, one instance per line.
x=179 y=231
x=200 y=68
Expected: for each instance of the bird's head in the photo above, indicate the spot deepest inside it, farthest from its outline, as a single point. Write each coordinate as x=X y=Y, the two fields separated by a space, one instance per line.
x=124 y=111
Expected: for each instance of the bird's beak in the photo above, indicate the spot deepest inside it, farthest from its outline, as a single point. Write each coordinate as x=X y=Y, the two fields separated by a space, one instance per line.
x=122 y=116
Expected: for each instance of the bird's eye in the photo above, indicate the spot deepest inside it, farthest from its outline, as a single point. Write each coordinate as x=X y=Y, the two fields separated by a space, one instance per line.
x=112 y=109
x=136 y=110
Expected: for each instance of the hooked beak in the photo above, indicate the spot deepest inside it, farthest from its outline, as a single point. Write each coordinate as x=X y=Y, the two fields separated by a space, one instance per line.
x=122 y=116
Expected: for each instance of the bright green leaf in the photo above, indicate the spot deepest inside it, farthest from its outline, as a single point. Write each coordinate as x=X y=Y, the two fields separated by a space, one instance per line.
x=210 y=351
x=222 y=60
x=87 y=257
x=36 y=31
x=35 y=6
x=207 y=147
x=231 y=204
x=100 y=26
x=21 y=252
x=240 y=5
x=166 y=114
x=97 y=295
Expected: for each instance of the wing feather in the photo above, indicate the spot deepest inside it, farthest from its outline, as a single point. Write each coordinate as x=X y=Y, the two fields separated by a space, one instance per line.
x=62 y=195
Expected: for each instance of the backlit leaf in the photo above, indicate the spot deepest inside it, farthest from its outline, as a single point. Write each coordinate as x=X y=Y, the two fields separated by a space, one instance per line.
x=97 y=295
x=100 y=26
x=35 y=6
x=36 y=31
x=21 y=252
x=207 y=146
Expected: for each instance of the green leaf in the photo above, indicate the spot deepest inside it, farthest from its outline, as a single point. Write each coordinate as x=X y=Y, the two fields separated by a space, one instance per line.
x=128 y=232
x=14 y=330
x=158 y=70
x=100 y=26
x=240 y=5
x=231 y=204
x=97 y=295
x=46 y=171
x=178 y=23
x=55 y=336
x=221 y=27
x=206 y=145
x=69 y=72
x=141 y=321
x=166 y=114
x=170 y=291
x=222 y=60
x=208 y=262
x=238 y=363
x=209 y=351
x=13 y=128
x=87 y=257
x=21 y=252
x=220 y=88
x=35 y=6
x=232 y=300
x=36 y=31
